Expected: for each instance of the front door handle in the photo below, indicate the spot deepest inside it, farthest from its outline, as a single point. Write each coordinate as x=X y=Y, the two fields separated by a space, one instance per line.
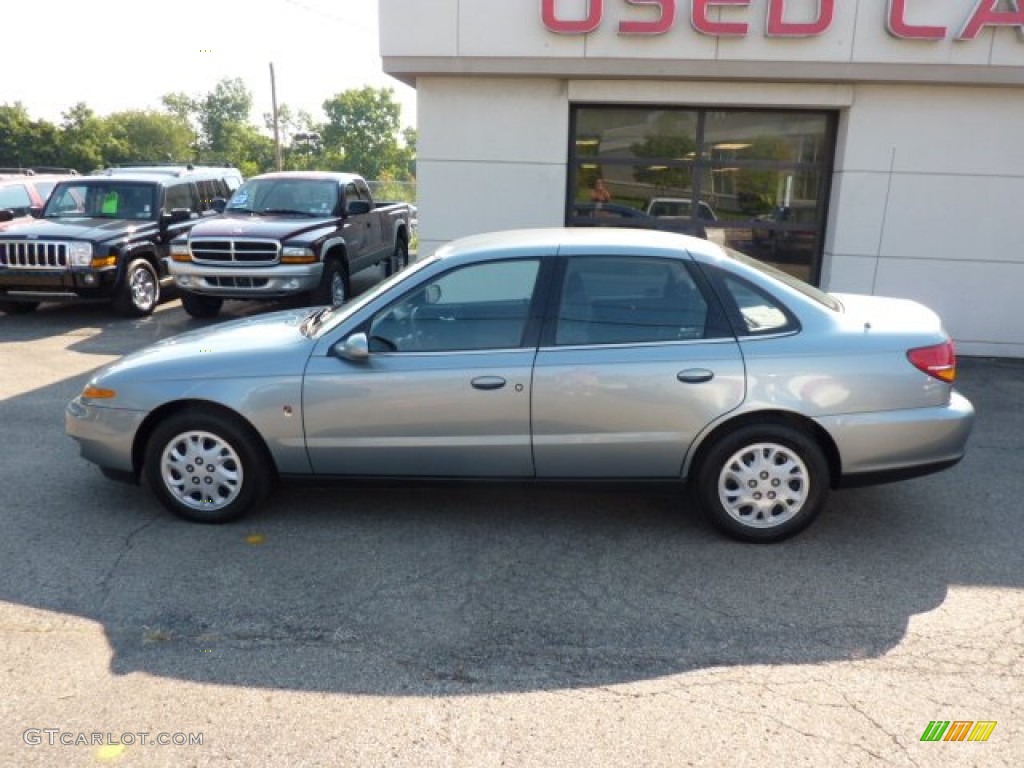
x=695 y=375
x=488 y=382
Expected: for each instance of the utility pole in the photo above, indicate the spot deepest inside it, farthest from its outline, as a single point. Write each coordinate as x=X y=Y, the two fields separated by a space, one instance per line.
x=277 y=133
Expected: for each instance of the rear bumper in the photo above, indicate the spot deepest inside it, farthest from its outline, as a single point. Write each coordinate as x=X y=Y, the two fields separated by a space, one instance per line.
x=235 y=283
x=894 y=445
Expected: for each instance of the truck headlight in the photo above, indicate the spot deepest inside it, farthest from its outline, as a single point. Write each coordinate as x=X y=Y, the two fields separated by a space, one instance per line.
x=80 y=254
x=293 y=254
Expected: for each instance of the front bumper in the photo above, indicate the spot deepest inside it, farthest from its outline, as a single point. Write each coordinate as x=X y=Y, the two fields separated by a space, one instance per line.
x=57 y=284
x=255 y=283
x=889 y=445
x=105 y=436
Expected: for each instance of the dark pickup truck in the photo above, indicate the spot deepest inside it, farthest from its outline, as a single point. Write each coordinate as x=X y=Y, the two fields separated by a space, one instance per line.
x=289 y=233
x=106 y=237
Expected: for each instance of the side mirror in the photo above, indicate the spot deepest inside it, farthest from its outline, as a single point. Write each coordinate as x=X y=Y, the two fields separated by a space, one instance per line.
x=358 y=208
x=6 y=214
x=176 y=216
x=356 y=348
x=36 y=211
x=219 y=204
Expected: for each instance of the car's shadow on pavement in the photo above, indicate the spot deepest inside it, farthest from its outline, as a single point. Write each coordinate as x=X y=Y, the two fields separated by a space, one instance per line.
x=443 y=590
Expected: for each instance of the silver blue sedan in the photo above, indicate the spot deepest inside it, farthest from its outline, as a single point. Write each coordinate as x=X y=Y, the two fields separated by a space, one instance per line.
x=549 y=354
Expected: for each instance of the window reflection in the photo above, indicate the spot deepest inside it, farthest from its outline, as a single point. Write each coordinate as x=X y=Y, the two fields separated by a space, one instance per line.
x=755 y=180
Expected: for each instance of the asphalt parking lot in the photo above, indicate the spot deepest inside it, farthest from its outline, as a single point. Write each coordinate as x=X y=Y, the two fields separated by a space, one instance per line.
x=493 y=625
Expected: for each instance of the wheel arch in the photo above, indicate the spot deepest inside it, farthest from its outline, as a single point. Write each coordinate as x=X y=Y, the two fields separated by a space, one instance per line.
x=165 y=411
x=767 y=418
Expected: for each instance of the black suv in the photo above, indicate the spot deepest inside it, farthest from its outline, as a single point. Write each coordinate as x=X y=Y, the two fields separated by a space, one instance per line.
x=105 y=237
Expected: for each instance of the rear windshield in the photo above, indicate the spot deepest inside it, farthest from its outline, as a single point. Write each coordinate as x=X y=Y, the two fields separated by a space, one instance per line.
x=795 y=283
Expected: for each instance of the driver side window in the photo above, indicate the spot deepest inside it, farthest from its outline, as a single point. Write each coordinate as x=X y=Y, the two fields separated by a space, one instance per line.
x=476 y=307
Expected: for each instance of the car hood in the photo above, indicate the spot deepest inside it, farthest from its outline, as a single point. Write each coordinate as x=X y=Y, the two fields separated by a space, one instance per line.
x=275 y=227
x=267 y=345
x=882 y=314
x=78 y=229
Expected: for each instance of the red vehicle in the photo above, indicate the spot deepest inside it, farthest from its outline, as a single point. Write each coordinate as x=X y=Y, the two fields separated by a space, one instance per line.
x=24 y=191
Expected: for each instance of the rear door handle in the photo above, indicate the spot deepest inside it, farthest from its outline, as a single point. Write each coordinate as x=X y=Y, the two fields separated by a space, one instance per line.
x=695 y=375
x=488 y=382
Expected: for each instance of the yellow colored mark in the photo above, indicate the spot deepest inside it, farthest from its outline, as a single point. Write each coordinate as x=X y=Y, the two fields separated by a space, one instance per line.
x=110 y=751
x=255 y=539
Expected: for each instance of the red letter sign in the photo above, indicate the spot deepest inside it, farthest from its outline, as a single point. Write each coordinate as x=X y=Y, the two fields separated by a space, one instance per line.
x=595 y=10
x=987 y=14
x=779 y=28
x=898 y=27
x=706 y=26
x=659 y=27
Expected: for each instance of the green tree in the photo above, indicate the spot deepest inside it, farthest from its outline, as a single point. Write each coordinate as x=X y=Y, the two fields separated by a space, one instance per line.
x=362 y=131
x=25 y=142
x=85 y=139
x=149 y=136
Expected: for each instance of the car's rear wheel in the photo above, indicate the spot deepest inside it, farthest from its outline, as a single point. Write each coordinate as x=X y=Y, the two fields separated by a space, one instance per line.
x=206 y=466
x=201 y=306
x=139 y=292
x=763 y=483
x=18 y=307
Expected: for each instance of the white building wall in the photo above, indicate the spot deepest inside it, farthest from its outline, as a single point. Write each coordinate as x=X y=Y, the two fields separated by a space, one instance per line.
x=492 y=154
x=927 y=183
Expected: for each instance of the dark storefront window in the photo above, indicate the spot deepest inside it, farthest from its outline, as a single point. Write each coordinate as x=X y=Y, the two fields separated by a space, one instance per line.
x=754 y=180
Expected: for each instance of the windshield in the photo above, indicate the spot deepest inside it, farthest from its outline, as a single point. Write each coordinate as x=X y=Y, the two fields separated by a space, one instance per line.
x=321 y=322
x=300 y=197
x=783 y=277
x=101 y=200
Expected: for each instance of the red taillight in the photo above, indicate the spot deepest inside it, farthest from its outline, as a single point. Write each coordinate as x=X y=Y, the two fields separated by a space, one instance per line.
x=938 y=361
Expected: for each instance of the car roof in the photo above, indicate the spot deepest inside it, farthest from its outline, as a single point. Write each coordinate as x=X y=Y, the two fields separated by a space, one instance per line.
x=577 y=240
x=338 y=176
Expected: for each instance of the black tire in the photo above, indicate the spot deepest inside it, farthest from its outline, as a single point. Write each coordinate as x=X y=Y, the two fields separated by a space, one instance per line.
x=334 y=288
x=763 y=482
x=201 y=307
x=18 y=307
x=139 y=292
x=399 y=258
x=232 y=474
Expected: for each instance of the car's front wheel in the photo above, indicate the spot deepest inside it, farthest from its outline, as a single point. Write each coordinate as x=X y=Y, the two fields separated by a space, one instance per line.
x=334 y=288
x=206 y=466
x=763 y=483
x=201 y=306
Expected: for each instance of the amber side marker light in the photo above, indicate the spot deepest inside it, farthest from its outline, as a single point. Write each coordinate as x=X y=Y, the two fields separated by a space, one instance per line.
x=98 y=393
x=938 y=360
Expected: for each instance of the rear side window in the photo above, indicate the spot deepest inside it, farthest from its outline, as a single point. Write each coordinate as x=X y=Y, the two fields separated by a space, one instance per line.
x=628 y=300
x=759 y=313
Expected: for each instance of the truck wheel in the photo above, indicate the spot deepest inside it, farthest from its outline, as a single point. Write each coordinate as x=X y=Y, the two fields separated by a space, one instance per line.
x=201 y=306
x=399 y=259
x=206 y=466
x=18 y=307
x=139 y=292
x=334 y=285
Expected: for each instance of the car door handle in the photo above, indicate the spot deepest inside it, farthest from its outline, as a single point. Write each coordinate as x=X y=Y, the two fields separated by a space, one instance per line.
x=488 y=382
x=695 y=375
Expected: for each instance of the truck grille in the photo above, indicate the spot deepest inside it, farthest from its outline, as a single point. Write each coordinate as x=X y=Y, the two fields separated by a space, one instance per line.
x=235 y=251
x=30 y=254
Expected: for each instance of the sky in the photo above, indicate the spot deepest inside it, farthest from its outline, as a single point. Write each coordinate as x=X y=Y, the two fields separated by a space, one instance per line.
x=117 y=55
